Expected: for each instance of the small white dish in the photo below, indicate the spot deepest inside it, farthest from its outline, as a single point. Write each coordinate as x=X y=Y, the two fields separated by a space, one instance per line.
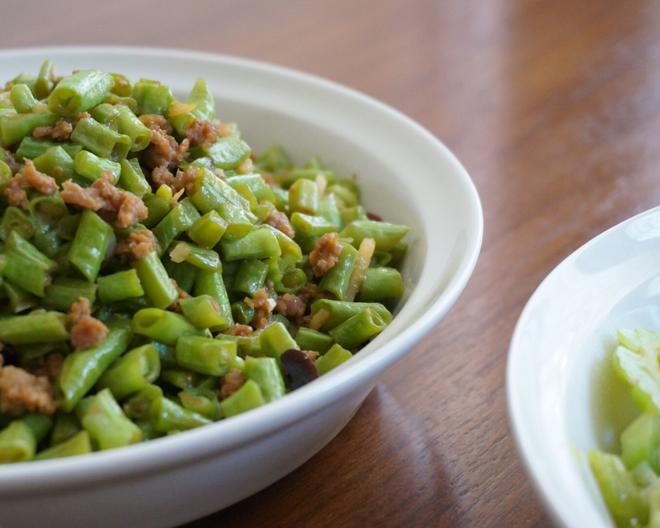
x=559 y=372
x=406 y=175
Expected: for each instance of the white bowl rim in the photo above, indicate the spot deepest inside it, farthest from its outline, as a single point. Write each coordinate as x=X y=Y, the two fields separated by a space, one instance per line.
x=559 y=509
x=159 y=454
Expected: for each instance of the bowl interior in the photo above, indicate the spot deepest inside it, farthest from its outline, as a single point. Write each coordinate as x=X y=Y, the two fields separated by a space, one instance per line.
x=405 y=174
x=563 y=396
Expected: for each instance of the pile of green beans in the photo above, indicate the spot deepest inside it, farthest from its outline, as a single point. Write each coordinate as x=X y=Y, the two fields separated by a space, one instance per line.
x=172 y=315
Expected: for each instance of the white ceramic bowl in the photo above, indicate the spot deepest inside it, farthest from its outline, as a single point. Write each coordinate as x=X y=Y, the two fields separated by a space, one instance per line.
x=407 y=176
x=559 y=370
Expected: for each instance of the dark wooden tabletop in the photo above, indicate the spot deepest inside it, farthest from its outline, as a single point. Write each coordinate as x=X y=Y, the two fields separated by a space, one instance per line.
x=552 y=106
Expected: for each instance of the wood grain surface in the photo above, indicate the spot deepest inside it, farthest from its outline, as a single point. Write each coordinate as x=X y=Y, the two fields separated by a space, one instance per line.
x=553 y=107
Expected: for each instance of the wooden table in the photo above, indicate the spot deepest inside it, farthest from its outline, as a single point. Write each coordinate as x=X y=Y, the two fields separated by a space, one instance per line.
x=553 y=108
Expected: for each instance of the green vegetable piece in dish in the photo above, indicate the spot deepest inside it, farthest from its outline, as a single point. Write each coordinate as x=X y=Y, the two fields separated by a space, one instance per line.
x=90 y=167
x=228 y=152
x=208 y=229
x=22 y=98
x=640 y=442
x=64 y=291
x=161 y=325
x=203 y=312
x=83 y=368
x=79 y=444
x=26 y=266
x=304 y=197
x=119 y=286
x=244 y=399
x=211 y=283
x=201 y=401
x=265 y=372
x=36 y=327
x=339 y=311
x=257 y=244
x=337 y=281
x=90 y=244
x=100 y=139
x=640 y=369
x=106 y=423
x=178 y=220
x=334 y=357
x=32 y=148
x=250 y=277
x=55 y=162
x=205 y=355
x=19 y=439
x=202 y=258
x=385 y=235
x=13 y=128
x=66 y=426
x=152 y=97
x=132 y=372
x=358 y=329
x=203 y=108
x=310 y=339
x=132 y=178
x=381 y=285
x=79 y=92
x=155 y=281
x=275 y=339
x=131 y=126
x=618 y=488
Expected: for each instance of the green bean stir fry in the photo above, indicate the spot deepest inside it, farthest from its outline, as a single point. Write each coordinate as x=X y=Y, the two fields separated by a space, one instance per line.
x=156 y=275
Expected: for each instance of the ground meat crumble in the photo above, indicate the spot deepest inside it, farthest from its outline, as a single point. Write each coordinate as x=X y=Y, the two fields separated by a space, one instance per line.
x=164 y=151
x=263 y=306
x=15 y=193
x=202 y=132
x=326 y=254
x=231 y=382
x=291 y=306
x=125 y=207
x=138 y=244
x=239 y=330
x=184 y=179
x=86 y=331
x=280 y=221
x=59 y=132
x=22 y=392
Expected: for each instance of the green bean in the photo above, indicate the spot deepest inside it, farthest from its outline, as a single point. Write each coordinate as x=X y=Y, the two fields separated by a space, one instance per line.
x=18 y=441
x=19 y=299
x=152 y=97
x=183 y=274
x=100 y=139
x=203 y=312
x=211 y=283
x=154 y=280
x=79 y=444
x=119 y=286
x=79 y=92
x=337 y=281
x=64 y=291
x=381 y=285
x=385 y=235
x=44 y=81
x=106 y=423
x=180 y=378
x=158 y=207
x=83 y=368
x=275 y=339
x=26 y=266
x=345 y=195
x=13 y=128
x=90 y=166
x=106 y=114
x=15 y=220
x=304 y=197
x=182 y=217
x=22 y=98
x=132 y=127
x=265 y=372
x=339 y=311
x=251 y=276
x=359 y=328
x=31 y=148
x=244 y=399
x=132 y=178
x=201 y=401
x=208 y=229
x=5 y=175
x=309 y=226
x=334 y=357
x=310 y=339
x=227 y=152
x=398 y=253
x=162 y=325
x=204 y=108
x=256 y=184
x=274 y=159
x=289 y=250
x=200 y=257
x=205 y=355
x=241 y=312
x=131 y=372
x=90 y=244
x=329 y=210
x=350 y=214
x=259 y=243
x=55 y=162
